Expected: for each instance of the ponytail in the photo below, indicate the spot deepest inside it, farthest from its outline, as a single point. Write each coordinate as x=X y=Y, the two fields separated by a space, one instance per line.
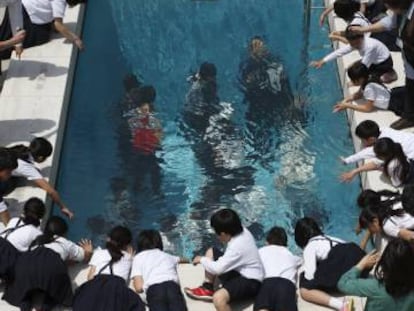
x=33 y=212
x=20 y=152
x=382 y=213
x=56 y=226
x=118 y=240
x=387 y=150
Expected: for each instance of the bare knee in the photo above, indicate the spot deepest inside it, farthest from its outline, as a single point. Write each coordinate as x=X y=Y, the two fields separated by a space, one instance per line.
x=304 y=293
x=221 y=298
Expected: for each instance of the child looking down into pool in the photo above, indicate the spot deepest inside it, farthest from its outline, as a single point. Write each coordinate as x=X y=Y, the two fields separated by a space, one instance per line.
x=38 y=151
x=373 y=92
x=375 y=55
x=155 y=272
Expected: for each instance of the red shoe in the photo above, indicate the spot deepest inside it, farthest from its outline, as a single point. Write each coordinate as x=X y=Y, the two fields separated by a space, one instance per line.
x=199 y=293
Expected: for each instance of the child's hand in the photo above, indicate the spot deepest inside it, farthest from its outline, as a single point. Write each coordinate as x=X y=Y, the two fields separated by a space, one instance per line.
x=67 y=212
x=347 y=177
x=358 y=229
x=317 y=64
x=86 y=245
x=342 y=159
x=130 y=250
x=368 y=261
x=356 y=29
x=339 y=107
x=196 y=260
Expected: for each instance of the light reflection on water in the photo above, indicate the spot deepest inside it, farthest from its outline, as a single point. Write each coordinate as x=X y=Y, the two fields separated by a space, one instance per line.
x=270 y=167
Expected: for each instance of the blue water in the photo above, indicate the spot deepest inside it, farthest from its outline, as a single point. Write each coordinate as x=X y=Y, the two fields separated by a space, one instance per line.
x=295 y=165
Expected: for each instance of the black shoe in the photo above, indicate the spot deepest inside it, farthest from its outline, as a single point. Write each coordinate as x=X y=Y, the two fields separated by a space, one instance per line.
x=402 y=124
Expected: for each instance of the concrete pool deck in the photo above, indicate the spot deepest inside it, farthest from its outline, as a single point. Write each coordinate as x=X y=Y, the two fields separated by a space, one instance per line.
x=34 y=102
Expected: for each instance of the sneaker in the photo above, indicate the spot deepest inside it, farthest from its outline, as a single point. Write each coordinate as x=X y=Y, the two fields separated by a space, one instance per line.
x=401 y=124
x=200 y=293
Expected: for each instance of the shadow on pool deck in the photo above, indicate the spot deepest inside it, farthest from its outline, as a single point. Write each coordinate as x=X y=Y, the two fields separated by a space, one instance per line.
x=22 y=130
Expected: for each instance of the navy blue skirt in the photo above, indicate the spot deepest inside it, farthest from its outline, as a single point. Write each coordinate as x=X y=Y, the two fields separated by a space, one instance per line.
x=106 y=293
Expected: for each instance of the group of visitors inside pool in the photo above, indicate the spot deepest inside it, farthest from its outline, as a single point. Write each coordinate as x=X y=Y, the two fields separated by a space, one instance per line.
x=33 y=261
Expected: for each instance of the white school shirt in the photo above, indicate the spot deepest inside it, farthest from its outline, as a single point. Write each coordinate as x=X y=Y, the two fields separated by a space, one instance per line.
x=278 y=261
x=22 y=237
x=67 y=249
x=241 y=255
x=379 y=94
x=155 y=267
x=372 y=52
x=360 y=20
x=44 y=11
x=405 y=139
x=394 y=224
x=27 y=170
x=394 y=173
x=15 y=13
x=315 y=251
x=390 y=23
x=121 y=268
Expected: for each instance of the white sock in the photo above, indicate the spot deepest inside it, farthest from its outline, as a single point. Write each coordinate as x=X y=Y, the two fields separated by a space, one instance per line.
x=336 y=303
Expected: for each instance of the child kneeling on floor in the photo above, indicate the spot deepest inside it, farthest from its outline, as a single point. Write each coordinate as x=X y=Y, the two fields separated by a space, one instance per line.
x=278 y=291
x=239 y=268
x=155 y=272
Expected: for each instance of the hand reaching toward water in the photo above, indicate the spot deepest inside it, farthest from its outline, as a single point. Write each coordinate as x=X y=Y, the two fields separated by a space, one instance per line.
x=317 y=64
x=67 y=212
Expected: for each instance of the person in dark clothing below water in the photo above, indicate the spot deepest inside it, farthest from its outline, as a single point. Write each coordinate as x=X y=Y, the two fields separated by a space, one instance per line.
x=146 y=133
x=202 y=100
x=269 y=99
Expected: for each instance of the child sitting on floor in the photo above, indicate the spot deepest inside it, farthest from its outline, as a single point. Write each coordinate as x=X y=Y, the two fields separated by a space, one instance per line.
x=239 y=268
x=375 y=55
x=278 y=290
x=374 y=93
x=155 y=272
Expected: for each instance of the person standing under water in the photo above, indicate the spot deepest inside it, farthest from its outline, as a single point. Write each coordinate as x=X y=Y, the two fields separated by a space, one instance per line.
x=146 y=134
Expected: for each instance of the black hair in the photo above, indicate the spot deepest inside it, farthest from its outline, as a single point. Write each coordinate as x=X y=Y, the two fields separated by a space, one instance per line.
x=346 y=9
x=39 y=147
x=8 y=160
x=370 y=197
x=226 y=221
x=398 y=4
x=382 y=213
x=118 y=239
x=131 y=82
x=395 y=268
x=75 y=2
x=407 y=199
x=55 y=226
x=367 y=129
x=387 y=150
x=33 y=211
x=149 y=239
x=277 y=236
x=147 y=95
x=351 y=35
x=305 y=229
x=359 y=71
x=207 y=71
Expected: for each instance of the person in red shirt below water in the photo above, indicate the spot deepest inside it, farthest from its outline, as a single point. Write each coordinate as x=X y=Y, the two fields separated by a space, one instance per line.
x=146 y=134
